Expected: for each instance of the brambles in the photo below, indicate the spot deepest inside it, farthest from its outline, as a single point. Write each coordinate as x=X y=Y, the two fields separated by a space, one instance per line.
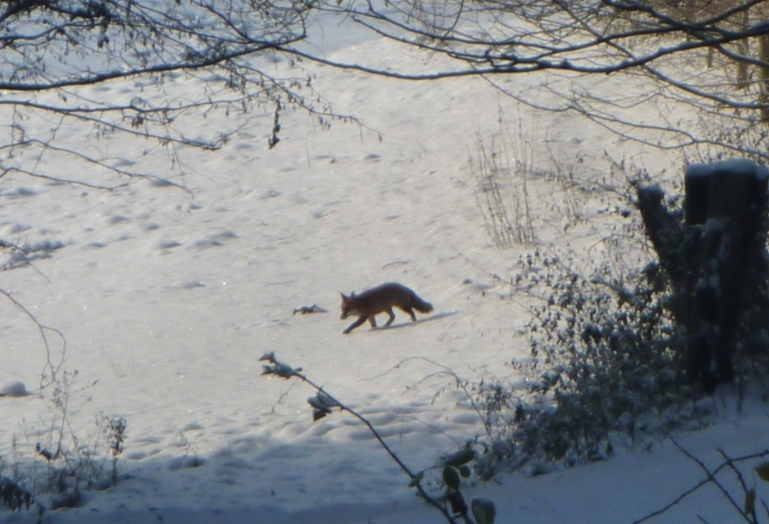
x=73 y=462
x=72 y=467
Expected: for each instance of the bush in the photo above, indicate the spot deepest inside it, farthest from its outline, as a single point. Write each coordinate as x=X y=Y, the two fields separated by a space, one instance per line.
x=605 y=358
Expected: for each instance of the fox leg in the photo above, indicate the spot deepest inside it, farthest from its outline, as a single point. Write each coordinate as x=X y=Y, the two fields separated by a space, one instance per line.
x=372 y=321
x=410 y=311
x=392 y=317
x=355 y=324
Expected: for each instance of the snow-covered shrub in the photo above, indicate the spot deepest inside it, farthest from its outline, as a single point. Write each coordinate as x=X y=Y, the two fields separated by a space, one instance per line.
x=605 y=358
x=13 y=496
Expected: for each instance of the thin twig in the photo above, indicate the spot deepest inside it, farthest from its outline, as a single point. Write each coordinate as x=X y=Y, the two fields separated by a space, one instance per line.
x=49 y=366
x=710 y=478
x=430 y=500
x=287 y=372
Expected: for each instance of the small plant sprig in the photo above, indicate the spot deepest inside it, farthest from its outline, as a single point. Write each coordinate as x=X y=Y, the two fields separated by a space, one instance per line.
x=116 y=429
x=481 y=511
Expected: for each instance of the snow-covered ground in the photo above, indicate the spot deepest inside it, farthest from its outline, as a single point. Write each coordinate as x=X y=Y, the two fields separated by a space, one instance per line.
x=168 y=298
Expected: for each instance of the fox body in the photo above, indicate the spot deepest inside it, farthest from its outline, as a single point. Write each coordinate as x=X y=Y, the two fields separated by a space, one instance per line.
x=382 y=299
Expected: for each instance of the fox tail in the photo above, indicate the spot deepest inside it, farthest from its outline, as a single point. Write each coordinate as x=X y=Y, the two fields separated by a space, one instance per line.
x=420 y=305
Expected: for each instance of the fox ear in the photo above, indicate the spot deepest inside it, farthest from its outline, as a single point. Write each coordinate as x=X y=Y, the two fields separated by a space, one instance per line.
x=344 y=297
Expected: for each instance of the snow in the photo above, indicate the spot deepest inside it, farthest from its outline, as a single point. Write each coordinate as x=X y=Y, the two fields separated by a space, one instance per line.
x=168 y=298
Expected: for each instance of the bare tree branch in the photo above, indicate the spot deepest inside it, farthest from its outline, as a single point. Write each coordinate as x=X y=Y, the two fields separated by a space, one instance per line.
x=683 y=51
x=197 y=56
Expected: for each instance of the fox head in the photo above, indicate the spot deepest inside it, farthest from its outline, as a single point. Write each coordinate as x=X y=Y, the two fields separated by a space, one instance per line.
x=348 y=305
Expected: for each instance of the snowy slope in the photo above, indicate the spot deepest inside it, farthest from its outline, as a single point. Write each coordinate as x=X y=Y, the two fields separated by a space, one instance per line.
x=168 y=298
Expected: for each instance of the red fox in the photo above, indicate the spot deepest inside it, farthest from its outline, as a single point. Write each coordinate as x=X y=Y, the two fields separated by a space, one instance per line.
x=382 y=299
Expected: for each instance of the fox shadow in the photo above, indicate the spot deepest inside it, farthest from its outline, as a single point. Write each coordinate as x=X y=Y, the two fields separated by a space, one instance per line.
x=420 y=320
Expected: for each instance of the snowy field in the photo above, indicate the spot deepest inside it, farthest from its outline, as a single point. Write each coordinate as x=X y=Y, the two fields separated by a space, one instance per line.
x=167 y=299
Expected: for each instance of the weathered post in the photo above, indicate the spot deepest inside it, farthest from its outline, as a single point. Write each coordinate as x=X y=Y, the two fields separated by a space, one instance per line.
x=724 y=204
x=715 y=259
